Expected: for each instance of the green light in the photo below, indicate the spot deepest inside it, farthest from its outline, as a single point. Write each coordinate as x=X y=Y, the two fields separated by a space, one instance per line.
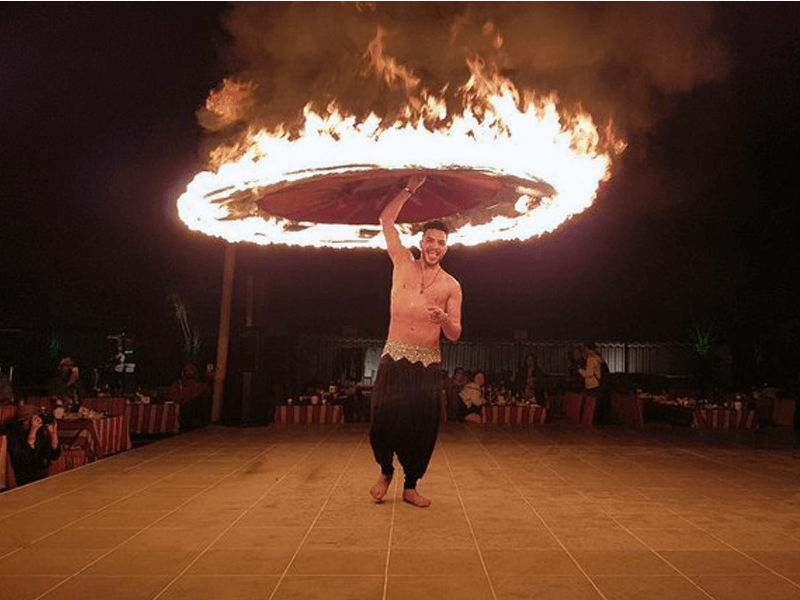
x=54 y=347
x=702 y=341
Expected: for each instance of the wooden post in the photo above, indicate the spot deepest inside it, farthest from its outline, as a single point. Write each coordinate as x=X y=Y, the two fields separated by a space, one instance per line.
x=224 y=333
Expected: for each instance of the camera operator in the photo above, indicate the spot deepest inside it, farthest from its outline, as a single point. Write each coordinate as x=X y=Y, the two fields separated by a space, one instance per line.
x=33 y=445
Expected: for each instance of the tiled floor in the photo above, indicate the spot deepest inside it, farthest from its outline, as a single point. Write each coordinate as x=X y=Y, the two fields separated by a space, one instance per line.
x=547 y=513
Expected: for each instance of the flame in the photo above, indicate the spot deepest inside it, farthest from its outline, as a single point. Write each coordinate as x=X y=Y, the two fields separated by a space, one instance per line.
x=501 y=131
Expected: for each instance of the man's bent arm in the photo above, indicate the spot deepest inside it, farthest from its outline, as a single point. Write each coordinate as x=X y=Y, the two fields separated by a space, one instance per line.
x=451 y=326
x=390 y=213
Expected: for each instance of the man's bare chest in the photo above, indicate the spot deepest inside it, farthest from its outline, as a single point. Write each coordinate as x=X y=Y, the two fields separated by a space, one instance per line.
x=414 y=291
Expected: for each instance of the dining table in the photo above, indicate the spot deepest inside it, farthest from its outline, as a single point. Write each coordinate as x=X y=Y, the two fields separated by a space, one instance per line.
x=153 y=419
x=725 y=418
x=98 y=437
x=664 y=409
x=110 y=406
x=685 y=412
x=311 y=414
x=514 y=415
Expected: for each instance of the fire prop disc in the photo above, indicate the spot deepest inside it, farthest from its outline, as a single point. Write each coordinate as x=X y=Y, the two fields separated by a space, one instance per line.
x=358 y=198
x=511 y=166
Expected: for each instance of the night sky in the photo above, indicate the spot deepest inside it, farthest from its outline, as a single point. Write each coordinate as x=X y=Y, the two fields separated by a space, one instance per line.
x=100 y=137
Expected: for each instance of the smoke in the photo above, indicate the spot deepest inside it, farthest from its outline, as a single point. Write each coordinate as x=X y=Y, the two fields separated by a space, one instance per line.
x=618 y=61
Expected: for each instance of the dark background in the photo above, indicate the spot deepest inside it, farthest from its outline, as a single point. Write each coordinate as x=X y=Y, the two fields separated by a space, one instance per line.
x=99 y=138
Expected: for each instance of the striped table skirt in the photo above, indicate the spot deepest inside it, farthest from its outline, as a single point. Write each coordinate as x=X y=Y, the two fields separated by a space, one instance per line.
x=145 y=419
x=71 y=458
x=113 y=406
x=514 y=415
x=325 y=414
x=6 y=472
x=98 y=438
x=725 y=418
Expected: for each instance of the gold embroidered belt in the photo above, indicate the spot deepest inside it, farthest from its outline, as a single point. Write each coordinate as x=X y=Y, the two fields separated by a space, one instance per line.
x=412 y=353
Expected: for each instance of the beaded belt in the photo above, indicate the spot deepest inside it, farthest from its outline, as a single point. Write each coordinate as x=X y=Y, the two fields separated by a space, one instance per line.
x=412 y=353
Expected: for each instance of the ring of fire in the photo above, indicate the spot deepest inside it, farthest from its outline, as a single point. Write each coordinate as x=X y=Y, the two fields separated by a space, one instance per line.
x=508 y=170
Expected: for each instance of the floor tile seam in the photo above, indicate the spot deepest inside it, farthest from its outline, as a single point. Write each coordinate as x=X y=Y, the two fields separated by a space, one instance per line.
x=686 y=576
x=90 y=514
x=396 y=496
x=469 y=524
x=794 y=537
x=549 y=467
x=560 y=543
x=76 y=488
x=324 y=576
x=353 y=454
x=102 y=556
x=720 y=462
x=741 y=552
x=103 y=576
x=564 y=548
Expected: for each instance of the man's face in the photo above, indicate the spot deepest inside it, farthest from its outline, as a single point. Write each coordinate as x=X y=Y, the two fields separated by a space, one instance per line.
x=433 y=246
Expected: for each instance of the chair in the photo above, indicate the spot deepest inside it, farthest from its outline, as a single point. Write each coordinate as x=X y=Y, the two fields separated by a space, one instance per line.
x=572 y=407
x=589 y=407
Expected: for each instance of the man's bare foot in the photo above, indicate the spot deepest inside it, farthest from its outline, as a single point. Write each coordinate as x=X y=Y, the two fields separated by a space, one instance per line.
x=378 y=491
x=413 y=497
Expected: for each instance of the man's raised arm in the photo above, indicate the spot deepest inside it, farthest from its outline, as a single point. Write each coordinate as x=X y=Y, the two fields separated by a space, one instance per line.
x=392 y=210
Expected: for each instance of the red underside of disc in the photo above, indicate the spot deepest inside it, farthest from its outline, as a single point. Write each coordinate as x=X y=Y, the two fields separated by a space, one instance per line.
x=358 y=198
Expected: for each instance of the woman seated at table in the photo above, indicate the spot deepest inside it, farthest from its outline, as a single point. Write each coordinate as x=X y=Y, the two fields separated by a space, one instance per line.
x=472 y=399
x=194 y=397
x=32 y=446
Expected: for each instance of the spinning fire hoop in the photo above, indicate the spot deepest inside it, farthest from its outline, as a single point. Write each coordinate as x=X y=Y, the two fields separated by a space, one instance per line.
x=510 y=166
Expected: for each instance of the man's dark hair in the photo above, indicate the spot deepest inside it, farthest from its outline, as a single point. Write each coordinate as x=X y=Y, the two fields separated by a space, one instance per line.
x=435 y=225
x=590 y=345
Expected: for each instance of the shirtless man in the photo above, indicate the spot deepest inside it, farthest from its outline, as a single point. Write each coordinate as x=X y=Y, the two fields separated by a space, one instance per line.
x=425 y=302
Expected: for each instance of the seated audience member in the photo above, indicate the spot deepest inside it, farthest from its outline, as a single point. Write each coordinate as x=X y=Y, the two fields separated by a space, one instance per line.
x=527 y=376
x=472 y=399
x=452 y=388
x=194 y=397
x=460 y=377
x=67 y=388
x=32 y=446
x=350 y=399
